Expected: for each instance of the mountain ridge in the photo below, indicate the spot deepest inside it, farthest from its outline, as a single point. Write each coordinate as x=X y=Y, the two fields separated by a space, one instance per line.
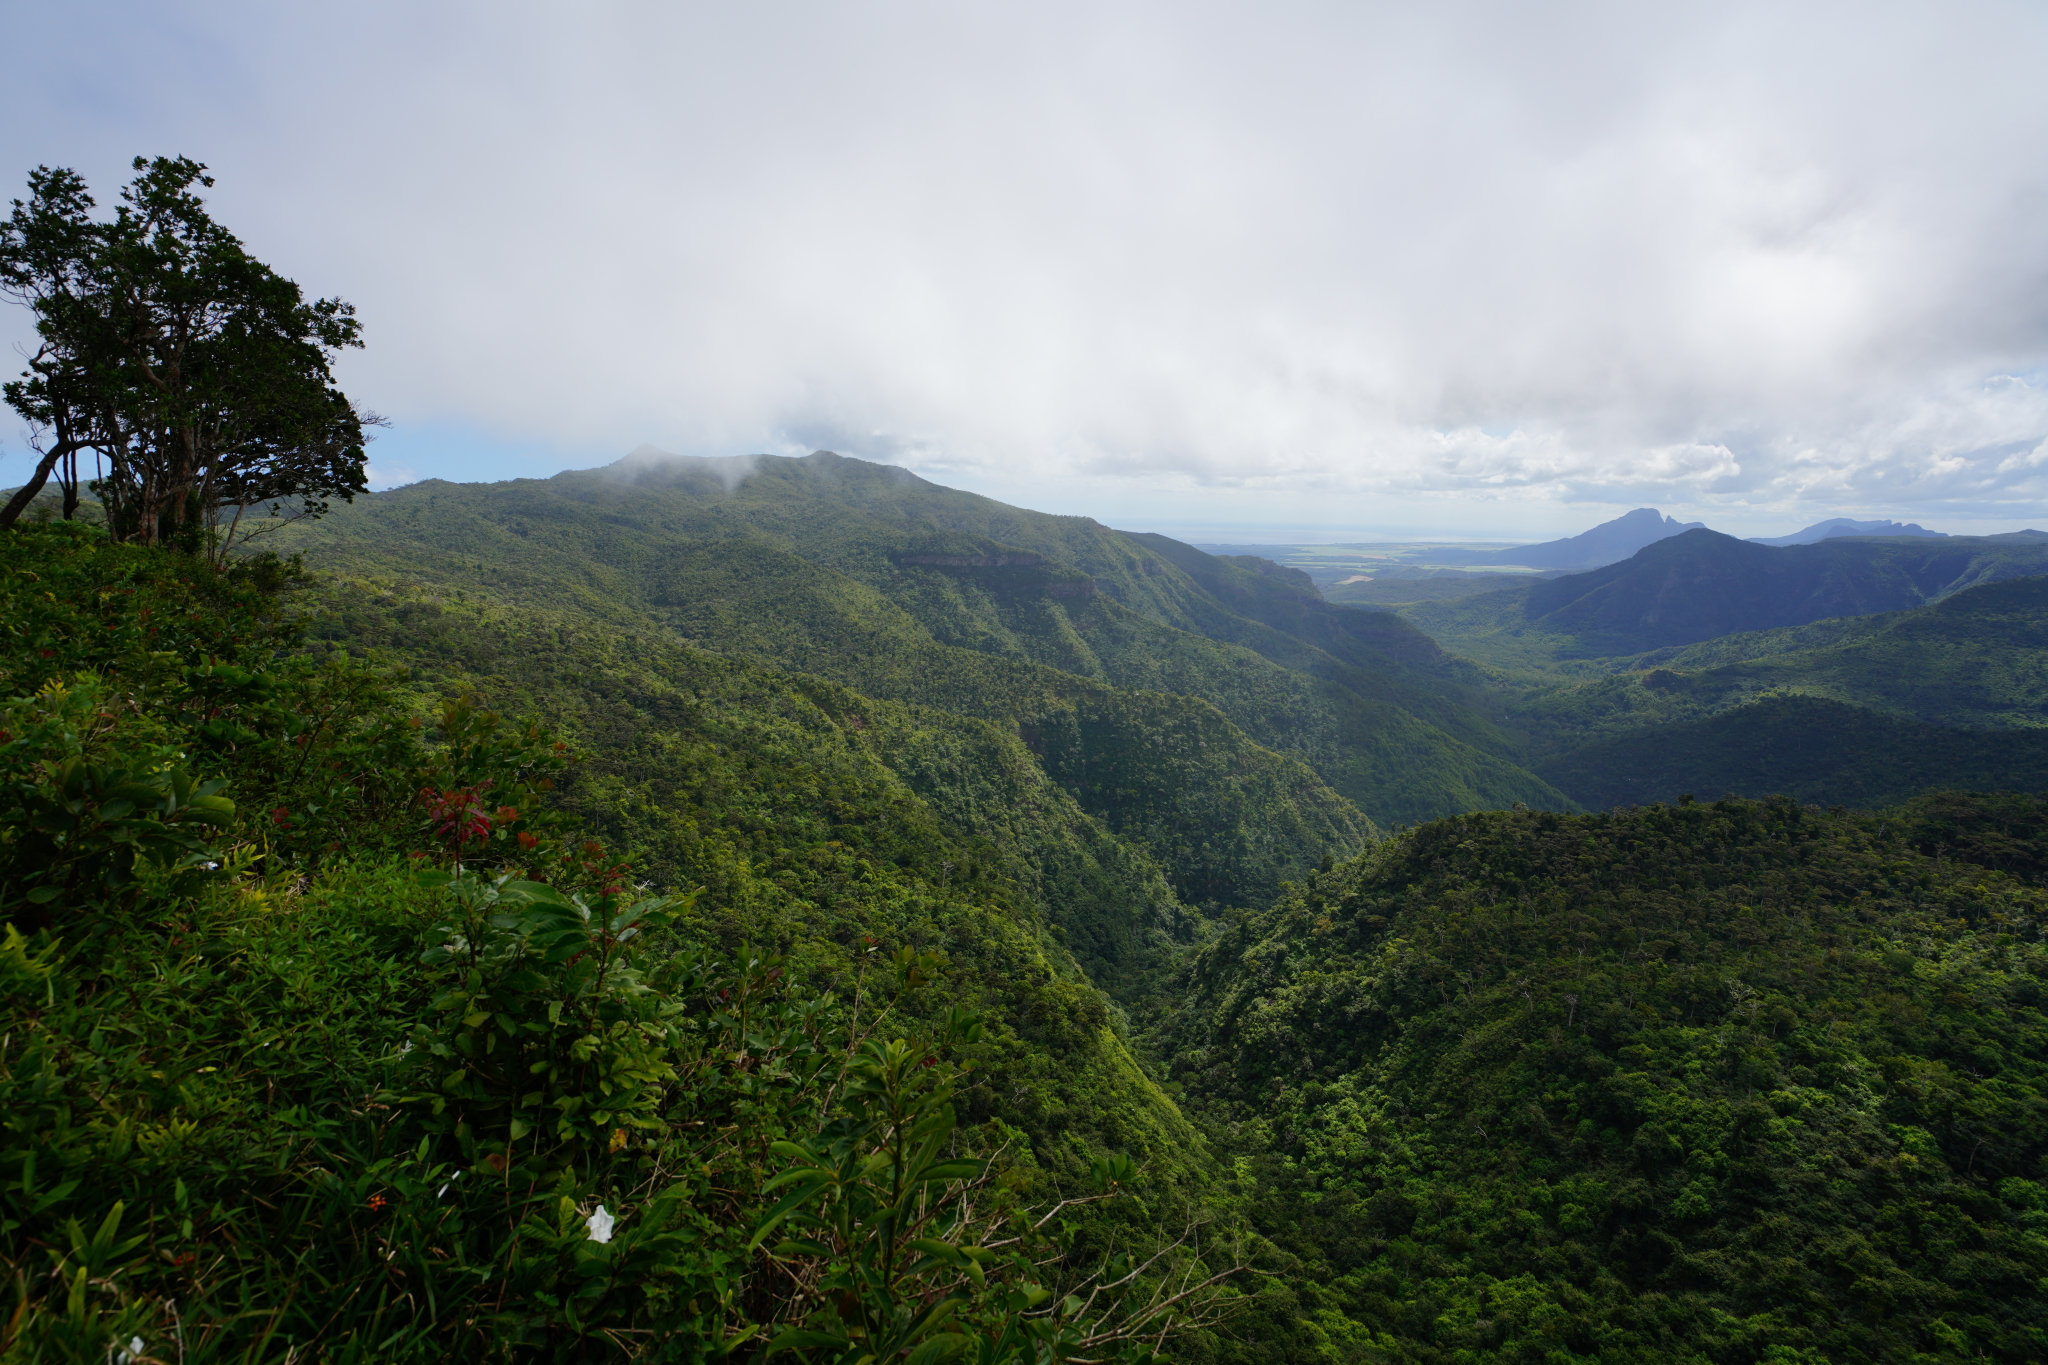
x=1701 y=584
x=1361 y=696
x=1603 y=544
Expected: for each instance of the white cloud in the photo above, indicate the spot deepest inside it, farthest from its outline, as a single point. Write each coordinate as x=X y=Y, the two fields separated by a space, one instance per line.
x=382 y=475
x=1756 y=257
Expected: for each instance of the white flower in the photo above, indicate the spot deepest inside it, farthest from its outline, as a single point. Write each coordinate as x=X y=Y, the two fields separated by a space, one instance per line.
x=132 y=1352
x=601 y=1225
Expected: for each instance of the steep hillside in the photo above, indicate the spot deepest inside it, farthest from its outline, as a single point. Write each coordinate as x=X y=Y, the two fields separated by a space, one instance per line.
x=1165 y=782
x=1976 y=660
x=1807 y=748
x=1725 y=1082
x=1857 y=710
x=351 y=1041
x=1701 y=585
x=1734 y=1082
x=869 y=575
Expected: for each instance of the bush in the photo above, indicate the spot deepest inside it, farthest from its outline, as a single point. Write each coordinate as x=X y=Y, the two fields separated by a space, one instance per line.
x=322 y=1036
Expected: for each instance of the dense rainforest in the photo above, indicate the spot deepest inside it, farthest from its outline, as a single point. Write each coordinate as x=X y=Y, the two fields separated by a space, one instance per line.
x=705 y=909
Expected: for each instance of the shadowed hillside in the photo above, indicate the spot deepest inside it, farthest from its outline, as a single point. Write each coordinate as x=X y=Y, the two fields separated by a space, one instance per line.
x=1701 y=584
x=1803 y=747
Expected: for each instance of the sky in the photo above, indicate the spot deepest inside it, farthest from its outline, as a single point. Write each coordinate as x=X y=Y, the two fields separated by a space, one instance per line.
x=1238 y=271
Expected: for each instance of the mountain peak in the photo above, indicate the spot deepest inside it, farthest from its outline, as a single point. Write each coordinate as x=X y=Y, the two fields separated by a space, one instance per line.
x=1844 y=526
x=1606 y=543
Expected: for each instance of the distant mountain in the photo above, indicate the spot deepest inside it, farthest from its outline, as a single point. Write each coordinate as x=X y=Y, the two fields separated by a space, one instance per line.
x=1842 y=526
x=1604 y=544
x=1977 y=659
x=1697 y=586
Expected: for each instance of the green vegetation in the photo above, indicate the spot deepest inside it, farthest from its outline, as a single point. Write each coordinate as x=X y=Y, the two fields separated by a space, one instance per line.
x=908 y=591
x=1862 y=710
x=199 y=379
x=1858 y=710
x=1702 y=585
x=1977 y=660
x=328 y=1033
x=908 y=926
x=1802 y=747
x=1727 y=1082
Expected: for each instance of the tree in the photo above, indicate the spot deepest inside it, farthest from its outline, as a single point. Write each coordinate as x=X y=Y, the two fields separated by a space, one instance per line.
x=199 y=378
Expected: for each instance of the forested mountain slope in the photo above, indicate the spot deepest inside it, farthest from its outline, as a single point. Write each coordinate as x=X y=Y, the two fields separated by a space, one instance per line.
x=337 y=1023
x=1854 y=709
x=1975 y=660
x=1229 y=819
x=1729 y=1082
x=1808 y=748
x=1742 y=1082
x=1701 y=584
x=887 y=583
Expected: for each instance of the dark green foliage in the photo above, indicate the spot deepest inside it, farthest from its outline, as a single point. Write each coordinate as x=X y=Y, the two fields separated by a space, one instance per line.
x=200 y=379
x=1730 y=1082
x=1804 y=747
x=913 y=823
x=1234 y=822
x=261 y=1093
x=257 y=1186
x=905 y=590
x=1975 y=660
x=1701 y=585
x=1825 y=711
x=2002 y=831
x=162 y=668
x=85 y=835
x=1388 y=591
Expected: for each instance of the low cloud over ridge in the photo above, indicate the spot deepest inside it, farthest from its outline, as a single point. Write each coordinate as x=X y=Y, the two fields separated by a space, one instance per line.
x=1750 y=255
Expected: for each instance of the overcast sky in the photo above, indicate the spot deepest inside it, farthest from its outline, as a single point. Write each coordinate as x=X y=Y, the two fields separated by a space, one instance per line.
x=1270 y=268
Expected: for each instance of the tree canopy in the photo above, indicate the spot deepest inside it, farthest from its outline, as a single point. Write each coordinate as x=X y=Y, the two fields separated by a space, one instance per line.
x=199 y=378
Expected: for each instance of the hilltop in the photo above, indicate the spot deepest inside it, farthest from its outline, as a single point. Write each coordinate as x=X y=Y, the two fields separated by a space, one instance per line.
x=1699 y=585
x=903 y=589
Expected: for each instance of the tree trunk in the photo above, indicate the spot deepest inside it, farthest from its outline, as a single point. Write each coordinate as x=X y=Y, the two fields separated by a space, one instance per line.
x=26 y=494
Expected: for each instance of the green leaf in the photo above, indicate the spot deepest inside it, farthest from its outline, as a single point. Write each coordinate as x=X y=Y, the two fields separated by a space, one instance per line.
x=796 y=1339
x=801 y=1248
x=952 y=1170
x=939 y=1349
x=788 y=1204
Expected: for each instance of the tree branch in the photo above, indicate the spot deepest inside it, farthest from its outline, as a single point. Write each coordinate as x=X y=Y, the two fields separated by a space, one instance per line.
x=26 y=494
